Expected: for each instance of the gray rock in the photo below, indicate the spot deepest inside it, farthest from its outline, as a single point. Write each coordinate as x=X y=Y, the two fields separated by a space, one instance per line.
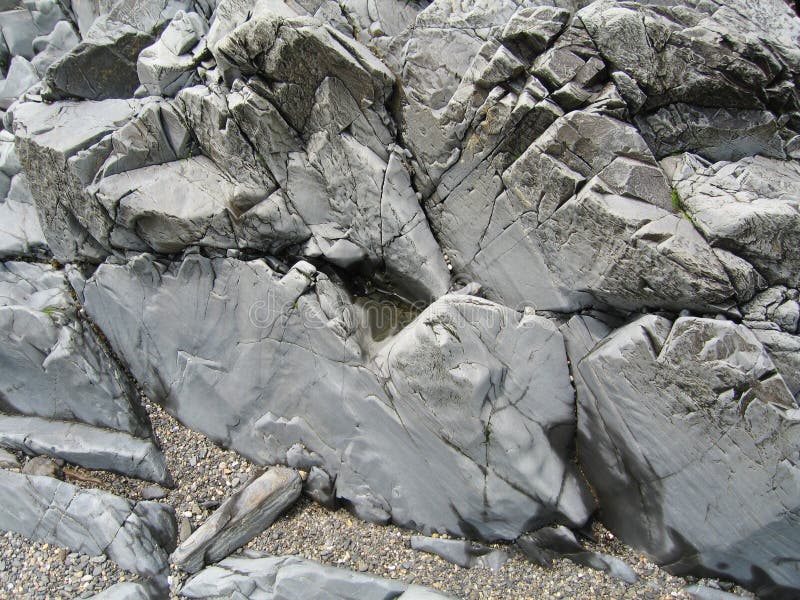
x=703 y=592
x=549 y=543
x=239 y=519
x=20 y=77
x=20 y=230
x=127 y=590
x=584 y=214
x=461 y=552
x=169 y=65
x=290 y=578
x=103 y=65
x=88 y=521
x=686 y=433
x=153 y=492
x=52 y=142
x=49 y=48
x=41 y=466
x=8 y=460
x=714 y=133
x=87 y=446
x=54 y=367
x=698 y=53
x=19 y=30
x=456 y=382
x=784 y=349
x=750 y=207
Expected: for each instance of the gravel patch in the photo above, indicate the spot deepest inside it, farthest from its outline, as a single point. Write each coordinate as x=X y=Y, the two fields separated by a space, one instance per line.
x=206 y=474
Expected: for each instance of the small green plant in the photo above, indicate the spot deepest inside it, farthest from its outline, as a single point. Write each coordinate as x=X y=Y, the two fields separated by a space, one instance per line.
x=51 y=311
x=677 y=203
x=679 y=206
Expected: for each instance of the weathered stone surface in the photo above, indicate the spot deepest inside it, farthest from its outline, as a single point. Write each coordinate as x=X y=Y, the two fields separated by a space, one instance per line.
x=8 y=460
x=461 y=552
x=103 y=65
x=705 y=53
x=784 y=349
x=714 y=133
x=170 y=63
x=87 y=446
x=21 y=76
x=42 y=466
x=688 y=436
x=291 y=578
x=89 y=521
x=50 y=141
x=20 y=231
x=584 y=214
x=52 y=364
x=49 y=48
x=750 y=207
x=239 y=519
x=456 y=384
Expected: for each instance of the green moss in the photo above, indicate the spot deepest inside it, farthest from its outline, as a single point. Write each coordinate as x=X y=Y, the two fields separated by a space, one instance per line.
x=679 y=206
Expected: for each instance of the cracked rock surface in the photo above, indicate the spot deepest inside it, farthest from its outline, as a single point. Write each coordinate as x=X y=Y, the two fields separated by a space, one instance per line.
x=474 y=268
x=449 y=382
x=136 y=536
x=697 y=425
x=62 y=393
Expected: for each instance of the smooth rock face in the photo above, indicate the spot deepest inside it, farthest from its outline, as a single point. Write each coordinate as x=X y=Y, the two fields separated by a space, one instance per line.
x=289 y=578
x=53 y=366
x=89 y=521
x=689 y=436
x=239 y=519
x=20 y=231
x=454 y=383
x=584 y=157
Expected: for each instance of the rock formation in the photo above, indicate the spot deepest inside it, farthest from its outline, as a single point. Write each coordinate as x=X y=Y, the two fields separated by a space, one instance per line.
x=476 y=268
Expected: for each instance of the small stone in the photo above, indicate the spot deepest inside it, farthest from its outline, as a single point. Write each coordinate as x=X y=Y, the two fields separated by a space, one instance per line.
x=154 y=492
x=8 y=460
x=41 y=465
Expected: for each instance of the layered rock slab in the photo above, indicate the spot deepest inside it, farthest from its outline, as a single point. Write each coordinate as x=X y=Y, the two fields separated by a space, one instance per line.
x=239 y=519
x=61 y=392
x=224 y=344
x=136 y=536
x=262 y=577
x=689 y=438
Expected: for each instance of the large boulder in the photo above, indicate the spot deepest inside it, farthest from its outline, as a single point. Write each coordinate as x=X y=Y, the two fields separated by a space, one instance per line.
x=689 y=437
x=62 y=393
x=286 y=368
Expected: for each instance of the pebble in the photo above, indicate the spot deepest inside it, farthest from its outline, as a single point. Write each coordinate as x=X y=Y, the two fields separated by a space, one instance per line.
x=154 y=492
